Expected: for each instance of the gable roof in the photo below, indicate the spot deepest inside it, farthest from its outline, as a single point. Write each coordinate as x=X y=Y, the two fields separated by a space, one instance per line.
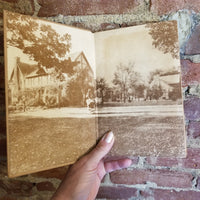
x=27 y=69
x=74 y=56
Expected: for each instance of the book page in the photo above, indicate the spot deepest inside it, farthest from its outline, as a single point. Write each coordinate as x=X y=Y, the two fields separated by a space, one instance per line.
x=50 y=70
x=139 y=90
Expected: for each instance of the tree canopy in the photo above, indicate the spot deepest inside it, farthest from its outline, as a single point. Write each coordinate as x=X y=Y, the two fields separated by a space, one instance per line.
x=165 y=37
x=40 y=41
x=124 y=77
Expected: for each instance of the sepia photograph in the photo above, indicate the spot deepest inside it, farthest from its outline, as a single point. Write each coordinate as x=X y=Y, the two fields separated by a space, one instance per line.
x=139 y=89
x=50 y=76
x=66 y=87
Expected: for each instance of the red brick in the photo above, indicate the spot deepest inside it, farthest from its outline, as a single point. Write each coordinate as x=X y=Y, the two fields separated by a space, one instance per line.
x=193 y=129
x=45 y=186
x=85 y=7
x=27 y=7
x=79 y=25
x=3 y=147
x=119 y=192
x=164 y=178
x=169 y=6
x=16 y=187
x=193 y=44
x=58 y=173
x=190 y=73
x=191 y=161
x=160 y=161
x=191 y=108
x=159 y=194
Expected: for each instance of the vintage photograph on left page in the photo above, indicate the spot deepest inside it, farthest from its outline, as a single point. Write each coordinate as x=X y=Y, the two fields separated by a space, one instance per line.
x=49 y=78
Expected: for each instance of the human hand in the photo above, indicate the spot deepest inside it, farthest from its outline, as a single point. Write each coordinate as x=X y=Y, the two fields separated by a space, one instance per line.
x=83 y=179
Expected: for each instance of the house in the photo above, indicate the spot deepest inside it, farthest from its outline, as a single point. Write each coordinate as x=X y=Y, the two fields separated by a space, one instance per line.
x=169 y=82
x=44 y=82
x=26 y=76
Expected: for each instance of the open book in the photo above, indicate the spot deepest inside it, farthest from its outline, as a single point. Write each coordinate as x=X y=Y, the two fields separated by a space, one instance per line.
x=65 y=87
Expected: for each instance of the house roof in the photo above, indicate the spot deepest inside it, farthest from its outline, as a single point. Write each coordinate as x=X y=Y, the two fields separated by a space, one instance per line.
x=170 y=73
x=74 y=55
x=27 y=69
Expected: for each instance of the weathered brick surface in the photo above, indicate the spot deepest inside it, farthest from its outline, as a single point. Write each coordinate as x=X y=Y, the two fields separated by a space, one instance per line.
x=193 y=129
x=158 y=161
x=190 y=73
x=172 y=195
x=169 y=6
x=158 y=194
x=191 y=108
x=116 y=192
x=58 y=173
x=45 y=186
x=16 y=187
x=85 y=7
x=193 y=44
x=23 y=7
x=192 y=161
x=163 y=178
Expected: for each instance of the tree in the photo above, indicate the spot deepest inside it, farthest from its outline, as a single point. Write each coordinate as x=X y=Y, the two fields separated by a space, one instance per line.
x=42 y=43
x=123 y=78
x=164 y=37
x=139 y=91
x=157 y=92
x=39 y=41
x=101 y=87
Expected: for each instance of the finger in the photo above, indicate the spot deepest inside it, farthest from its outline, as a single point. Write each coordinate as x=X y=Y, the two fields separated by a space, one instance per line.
x=117 y=164
x=102 y=148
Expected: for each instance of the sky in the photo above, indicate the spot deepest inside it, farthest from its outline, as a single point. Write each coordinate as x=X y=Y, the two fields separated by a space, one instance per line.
x=129 y=45
x=82 y=40
x=105 y=50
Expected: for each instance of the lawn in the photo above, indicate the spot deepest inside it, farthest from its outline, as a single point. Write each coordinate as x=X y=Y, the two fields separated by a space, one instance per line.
x=40 y=143
x=146 y=135
x=37 y=143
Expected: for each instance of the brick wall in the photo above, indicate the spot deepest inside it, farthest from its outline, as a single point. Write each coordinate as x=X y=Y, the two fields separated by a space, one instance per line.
x=148 y=178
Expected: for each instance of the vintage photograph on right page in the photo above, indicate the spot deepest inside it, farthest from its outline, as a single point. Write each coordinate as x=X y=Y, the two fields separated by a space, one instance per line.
x=138 y=90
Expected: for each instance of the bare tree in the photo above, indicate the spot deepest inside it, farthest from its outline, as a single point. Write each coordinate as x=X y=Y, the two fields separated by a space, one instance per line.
x=123 y=78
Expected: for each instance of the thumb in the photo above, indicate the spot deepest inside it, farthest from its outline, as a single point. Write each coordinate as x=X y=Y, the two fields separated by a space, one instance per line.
x=102 y=148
